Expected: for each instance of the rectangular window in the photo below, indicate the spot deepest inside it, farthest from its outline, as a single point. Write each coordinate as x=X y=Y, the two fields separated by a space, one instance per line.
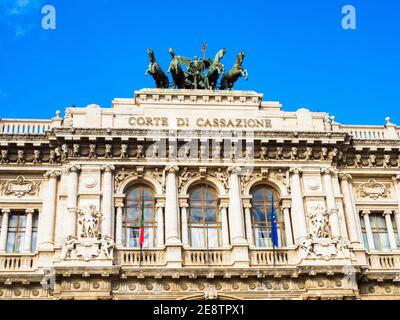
x=379 y=232
x=16 y=233
x=35 y=222
x=364 y=233
x=396 y=232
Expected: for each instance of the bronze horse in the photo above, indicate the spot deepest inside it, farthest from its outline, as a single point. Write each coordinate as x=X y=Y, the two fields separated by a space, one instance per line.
x=229 y=79
x=156 y=72
x=215 y=70
x=178 y=75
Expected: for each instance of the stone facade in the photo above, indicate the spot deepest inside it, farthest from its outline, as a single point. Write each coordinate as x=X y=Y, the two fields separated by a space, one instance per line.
x=71 y=175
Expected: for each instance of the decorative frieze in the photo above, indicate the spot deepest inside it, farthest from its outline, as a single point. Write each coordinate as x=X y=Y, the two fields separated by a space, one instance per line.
x=20 y=187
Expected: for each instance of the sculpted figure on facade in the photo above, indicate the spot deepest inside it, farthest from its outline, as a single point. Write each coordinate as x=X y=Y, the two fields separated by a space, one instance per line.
x=210 y=293
x=222 y=176
x=386 y=161
x=319 y=223
x=90 y=222
x=293 y=154
x=36 y=157
x=124 y=151
x=332 y=154
x=186 y=152
x=120 y=178
x=20 y=157
x=324 y=153
x=233 y=152
x=172 y=151
x=184 y=176
x=249 y=153
x=357 y=160
x=75 y=150
x=64 y=153
x=92 y=151
x=68 y=247
x=372 y=160
x=309 y=153
x=57 y=154
x=264 y=153
x=106 y=246
x=108 y=151
x=279 y=153
x=4 y=156
x=216 y=154
x=140 y=152
x=203 y=153
x=52 y=156
x=159 y=175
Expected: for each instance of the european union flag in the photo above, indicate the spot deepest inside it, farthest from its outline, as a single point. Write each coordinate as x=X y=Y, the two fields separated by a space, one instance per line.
x=274 y=225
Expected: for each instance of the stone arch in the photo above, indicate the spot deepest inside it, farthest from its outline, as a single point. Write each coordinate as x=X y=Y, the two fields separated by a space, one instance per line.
x=276 y=184
x=214 y=182
x=146 y=180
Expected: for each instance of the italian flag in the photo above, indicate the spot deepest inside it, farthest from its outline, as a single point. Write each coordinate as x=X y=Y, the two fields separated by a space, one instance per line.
x=141 y=235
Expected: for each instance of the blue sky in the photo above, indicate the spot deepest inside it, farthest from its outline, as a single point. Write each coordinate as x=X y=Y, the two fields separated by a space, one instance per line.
x=297 y=52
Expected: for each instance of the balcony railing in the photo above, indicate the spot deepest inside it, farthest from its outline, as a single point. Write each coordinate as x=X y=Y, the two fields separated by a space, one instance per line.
x=24 y=127
x=384 y=261
x=270 y=257
x=16 y=262
x=212 y=257
x=366 y=132
x=148 y=257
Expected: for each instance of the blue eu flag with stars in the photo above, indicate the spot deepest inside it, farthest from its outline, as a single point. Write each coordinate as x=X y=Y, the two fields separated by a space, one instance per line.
x=274 y=225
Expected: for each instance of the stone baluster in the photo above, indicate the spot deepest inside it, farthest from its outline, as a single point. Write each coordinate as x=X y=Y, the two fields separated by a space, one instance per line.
x=28 y=230
x=4 y=230
x=298 y=213
x=370 y=238
x=349 y=209
x=160 y=224
x=71 y=219
x=48 y=215
x=331 y=203
x=107 y=219
x=249 y=226
x=392 y=240
x=288 y=225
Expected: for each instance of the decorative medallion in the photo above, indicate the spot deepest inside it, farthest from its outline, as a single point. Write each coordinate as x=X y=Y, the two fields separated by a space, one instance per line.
x=20 y=187
x=373 y=190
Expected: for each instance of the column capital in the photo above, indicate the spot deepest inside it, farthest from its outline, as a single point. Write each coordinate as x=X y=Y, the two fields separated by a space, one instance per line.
x=247 y=205
x=297 y=171
x=234 y=170
x=162 y=205
x=327 y=171
x=396 y=178
x=365 y=212
x=74 y=168
x=30 y=211
x=224 y=205
x=387 y=212
x=5 y=211
x=52 y=174
x=172 y=169
x=107 y=168
x=345 y=177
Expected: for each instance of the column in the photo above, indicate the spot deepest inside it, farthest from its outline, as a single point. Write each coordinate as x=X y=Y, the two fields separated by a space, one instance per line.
x=298 y=213
x=249 y=226
x=71 y=221
x=392 y=240
x=348 y=209
x=288 y=225
x=107 y=219
x=397 y=220
x=47 y=217
x=225 y=227
x=119 y=205
x=28 y=230
x=184 y=222
x=356 y=214
x=4 y=230
x=171 y=208
x=236 y=221
x=370 y=237
x=331 y=203
x=160 y=224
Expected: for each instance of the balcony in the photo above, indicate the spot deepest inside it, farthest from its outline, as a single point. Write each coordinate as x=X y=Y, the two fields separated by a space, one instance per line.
x=372 y=132
x=385 y=261
x=17 y=263
x=24 y=127
x=269 y=257
x=212 y=257
x=146 y=258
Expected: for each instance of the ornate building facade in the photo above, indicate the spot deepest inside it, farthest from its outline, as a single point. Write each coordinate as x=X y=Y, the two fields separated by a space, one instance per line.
x=202 y=173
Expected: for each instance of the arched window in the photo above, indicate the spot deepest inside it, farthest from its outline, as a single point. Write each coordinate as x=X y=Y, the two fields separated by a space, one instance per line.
x=264 y=201
x=139 y=199
x=204 y=217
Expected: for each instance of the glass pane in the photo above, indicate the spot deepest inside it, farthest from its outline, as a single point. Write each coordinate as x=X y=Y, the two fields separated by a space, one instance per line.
x=133 y=237
x=365 y=239
x=22 y=221
x=21 y=239
x=385 y=241
x=13 y=221
x=195 y=194
x=34 y=241
x=210 y=194
x=148 y=215
x=196 y=215
x=261 y=237
x=210 y=215
x=259 y=215
x=380 y=222
x=11 y=242
x=212 y=237
x=197 y=237
x=133 y=215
